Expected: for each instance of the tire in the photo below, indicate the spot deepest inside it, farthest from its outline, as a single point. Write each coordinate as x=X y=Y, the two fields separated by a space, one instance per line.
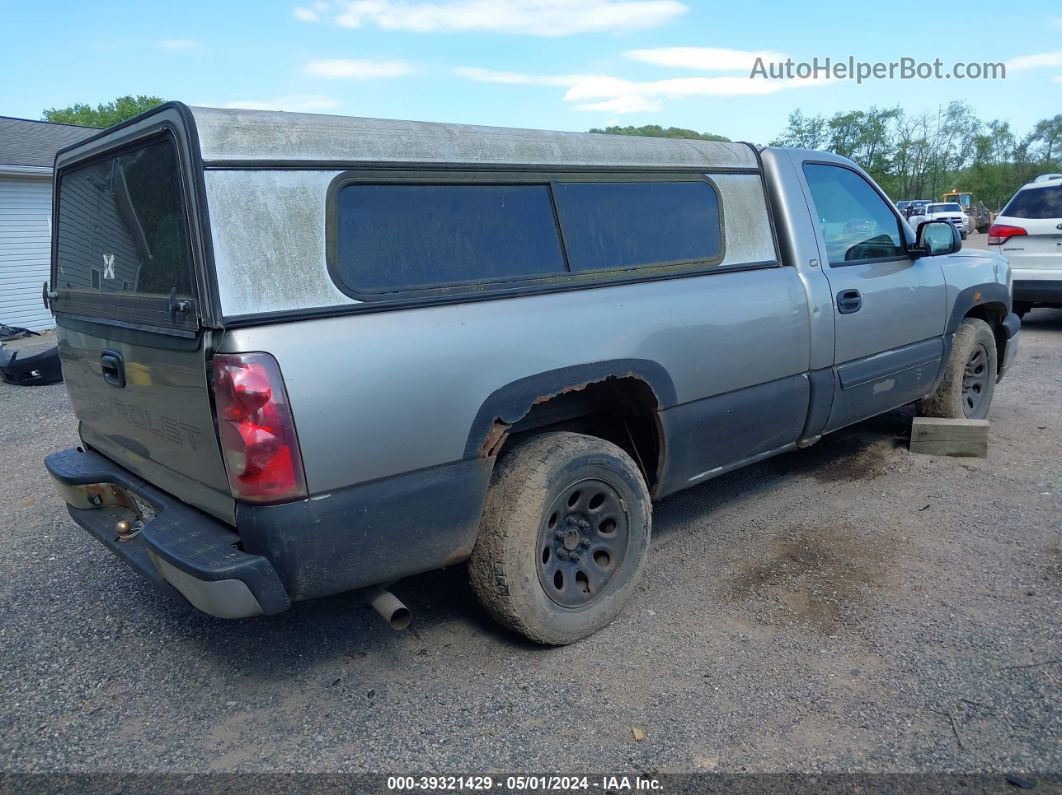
x=969 y=380
x=962 y=235
x=535 y=556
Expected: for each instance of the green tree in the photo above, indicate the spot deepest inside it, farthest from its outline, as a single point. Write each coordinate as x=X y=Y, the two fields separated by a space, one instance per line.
x=992 y=174
x=912 y=155
x=1045 y=142
x=804 y=132
x=656 y=131
x=106 y=114
x=866 y=136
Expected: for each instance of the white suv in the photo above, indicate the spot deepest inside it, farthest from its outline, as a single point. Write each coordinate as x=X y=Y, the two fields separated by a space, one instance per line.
x=1028 y=232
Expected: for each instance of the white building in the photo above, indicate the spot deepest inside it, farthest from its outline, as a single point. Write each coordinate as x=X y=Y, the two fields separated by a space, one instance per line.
x=27 y=154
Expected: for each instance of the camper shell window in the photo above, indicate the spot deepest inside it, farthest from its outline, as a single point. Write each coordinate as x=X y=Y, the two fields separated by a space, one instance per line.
x=405 y=237
x=122 y=224
x=122 y=243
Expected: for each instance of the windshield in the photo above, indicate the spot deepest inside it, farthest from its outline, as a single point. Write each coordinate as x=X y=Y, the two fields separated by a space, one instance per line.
x=121 y=226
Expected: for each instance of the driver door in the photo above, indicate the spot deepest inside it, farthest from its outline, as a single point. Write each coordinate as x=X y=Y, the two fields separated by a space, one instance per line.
x=889 y=309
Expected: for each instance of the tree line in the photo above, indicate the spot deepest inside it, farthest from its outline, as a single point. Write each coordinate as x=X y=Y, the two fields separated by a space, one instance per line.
x=106 y=114
x=924 y=155
x=656 y=131
x=920 y=155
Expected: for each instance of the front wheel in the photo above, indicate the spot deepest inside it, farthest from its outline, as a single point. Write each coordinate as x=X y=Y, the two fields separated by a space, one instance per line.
x=563 y=538
x=969 y=376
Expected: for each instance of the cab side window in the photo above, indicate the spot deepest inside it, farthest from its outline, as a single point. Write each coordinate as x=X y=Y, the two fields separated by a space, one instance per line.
x=856 y=222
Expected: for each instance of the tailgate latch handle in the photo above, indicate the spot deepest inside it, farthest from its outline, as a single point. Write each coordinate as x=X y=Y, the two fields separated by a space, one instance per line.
x=178 y=306
x=113 y=368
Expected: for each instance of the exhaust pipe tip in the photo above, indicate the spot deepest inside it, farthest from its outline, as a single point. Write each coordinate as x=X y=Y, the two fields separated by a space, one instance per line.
x=401 y=619
x=390 y=608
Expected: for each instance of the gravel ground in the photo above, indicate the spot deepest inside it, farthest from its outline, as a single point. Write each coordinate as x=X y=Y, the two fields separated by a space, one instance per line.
x=850 y=607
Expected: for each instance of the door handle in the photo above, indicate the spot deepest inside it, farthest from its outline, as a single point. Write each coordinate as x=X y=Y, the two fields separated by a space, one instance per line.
x=113 y=368
x=849 y=301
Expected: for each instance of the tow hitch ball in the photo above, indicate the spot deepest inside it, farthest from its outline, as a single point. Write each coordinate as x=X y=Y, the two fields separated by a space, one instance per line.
x=126 y=530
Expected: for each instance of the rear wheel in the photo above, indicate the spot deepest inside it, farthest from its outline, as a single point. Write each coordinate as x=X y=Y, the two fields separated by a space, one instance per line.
x=563 y=539
x=969 y=376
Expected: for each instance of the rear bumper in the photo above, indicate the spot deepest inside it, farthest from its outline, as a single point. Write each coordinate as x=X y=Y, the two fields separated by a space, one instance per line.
x=179 y=549
x=1038 y=291
x=363 y=535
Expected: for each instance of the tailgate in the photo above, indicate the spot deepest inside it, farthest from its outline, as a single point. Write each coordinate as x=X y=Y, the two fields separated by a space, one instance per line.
x=1040 y=248
x=133 y=349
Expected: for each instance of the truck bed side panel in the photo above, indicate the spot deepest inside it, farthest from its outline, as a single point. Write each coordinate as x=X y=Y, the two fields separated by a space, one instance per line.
x=379 y=394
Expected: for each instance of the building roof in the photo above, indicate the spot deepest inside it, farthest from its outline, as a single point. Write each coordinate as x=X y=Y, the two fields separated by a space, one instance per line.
x=34 y=143
x=250 y=135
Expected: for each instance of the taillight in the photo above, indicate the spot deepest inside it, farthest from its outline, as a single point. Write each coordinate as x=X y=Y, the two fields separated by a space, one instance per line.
x=998 y=234
x=257 y=432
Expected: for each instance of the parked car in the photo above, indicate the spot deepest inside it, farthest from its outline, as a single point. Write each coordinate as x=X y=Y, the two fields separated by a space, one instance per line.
x=1028 y=232
x=310 y=354
x=917 y=207
x=948 y=211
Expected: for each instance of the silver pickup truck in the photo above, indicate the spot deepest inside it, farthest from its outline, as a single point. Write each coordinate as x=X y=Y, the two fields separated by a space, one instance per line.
x=312 y=354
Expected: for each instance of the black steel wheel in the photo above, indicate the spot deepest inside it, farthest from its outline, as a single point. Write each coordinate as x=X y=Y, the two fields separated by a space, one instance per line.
x=583 y=542
x=563 y=538
x=975 y=380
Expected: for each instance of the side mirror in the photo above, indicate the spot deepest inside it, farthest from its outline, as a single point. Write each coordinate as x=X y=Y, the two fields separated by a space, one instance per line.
x=936 y=237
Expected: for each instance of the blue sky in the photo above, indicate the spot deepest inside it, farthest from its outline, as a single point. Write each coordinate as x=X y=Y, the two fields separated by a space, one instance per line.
x=562 y=64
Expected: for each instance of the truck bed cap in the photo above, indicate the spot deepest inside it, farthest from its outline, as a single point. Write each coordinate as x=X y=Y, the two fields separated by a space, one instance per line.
x=279 y=137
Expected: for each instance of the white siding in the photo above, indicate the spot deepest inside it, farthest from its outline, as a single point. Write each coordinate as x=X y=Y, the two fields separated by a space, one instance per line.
x=25 y=250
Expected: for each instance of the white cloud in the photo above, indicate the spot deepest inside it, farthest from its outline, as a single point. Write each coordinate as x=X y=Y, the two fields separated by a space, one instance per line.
x=703 y=58
x=518 y=78
x=603 y=86
x=528 y=17
x=630 y=103
x=1023 y=62
x=312 y=12
x=298 y=103
x=178 y=44
x=679 y=87
x=618 y=95
x=1056 y=79
x=357 y=69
